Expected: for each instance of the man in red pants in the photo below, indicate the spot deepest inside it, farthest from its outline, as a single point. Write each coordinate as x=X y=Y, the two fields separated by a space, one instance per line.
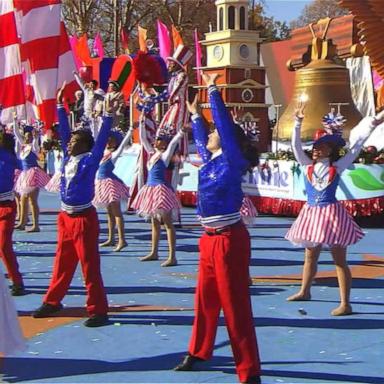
x=78 y=225
x=225 y=246
x=8 y=164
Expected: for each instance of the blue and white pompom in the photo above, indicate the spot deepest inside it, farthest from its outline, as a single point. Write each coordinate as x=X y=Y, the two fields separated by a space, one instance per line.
x=250 y=130
x=333 y=123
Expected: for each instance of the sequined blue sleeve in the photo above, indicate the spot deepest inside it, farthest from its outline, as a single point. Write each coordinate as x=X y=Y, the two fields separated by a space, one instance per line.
x=200 y=137
x=225 y=126
x=64 y=129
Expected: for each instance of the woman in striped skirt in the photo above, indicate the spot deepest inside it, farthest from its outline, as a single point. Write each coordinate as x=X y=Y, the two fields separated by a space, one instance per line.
x=110 y=190
x=323 y=221
x=31 y=179
x=156 y=199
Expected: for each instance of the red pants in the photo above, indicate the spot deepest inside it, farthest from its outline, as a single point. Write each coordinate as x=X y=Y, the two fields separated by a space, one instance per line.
x=7 y=222
x=223 y=283
x=78 y=240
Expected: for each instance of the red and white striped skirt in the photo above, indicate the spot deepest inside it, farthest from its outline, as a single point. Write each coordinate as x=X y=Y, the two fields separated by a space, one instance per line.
x=155 y=201
x=108 y=191
x=31 y=179
x=53 y=185
x=330 y=225
x=16 y=175
x=248 y=211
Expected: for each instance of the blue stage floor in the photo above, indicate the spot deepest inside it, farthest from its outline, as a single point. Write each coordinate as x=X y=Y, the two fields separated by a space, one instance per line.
x=151 y=313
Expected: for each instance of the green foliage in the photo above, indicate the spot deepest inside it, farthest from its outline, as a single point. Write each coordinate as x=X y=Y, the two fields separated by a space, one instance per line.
x=270 y=29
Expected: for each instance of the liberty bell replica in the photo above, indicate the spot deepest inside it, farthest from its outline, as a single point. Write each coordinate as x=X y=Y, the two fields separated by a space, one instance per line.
x=323 y=82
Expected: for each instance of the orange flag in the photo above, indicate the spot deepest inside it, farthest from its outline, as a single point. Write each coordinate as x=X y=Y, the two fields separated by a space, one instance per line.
x=82 y=50
x=142 y=33
x=176 y=37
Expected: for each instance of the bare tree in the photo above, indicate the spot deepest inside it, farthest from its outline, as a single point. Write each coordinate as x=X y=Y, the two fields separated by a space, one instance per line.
x=79 y=15
x=318 y=9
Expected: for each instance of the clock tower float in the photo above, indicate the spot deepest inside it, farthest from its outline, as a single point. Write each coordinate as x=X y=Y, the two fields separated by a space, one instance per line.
x=233 y=52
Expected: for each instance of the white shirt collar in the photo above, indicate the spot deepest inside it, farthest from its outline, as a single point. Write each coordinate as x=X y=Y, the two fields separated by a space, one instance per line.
x=71 y=166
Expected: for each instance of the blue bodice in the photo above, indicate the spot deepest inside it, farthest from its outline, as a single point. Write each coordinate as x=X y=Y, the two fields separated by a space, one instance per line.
x=156 y=174
x=323 y=197
x=30 y=161
x=106 y=171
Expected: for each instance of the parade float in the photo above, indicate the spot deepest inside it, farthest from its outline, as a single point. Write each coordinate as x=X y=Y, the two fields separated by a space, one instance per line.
x=328 y=62
x=277 y=185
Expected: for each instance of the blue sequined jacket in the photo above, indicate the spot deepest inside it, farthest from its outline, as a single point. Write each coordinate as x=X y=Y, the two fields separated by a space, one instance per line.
x=219 y=190
x=80 y=191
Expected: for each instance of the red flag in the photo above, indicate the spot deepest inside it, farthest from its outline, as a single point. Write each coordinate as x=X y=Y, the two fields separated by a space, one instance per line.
x=82 y=50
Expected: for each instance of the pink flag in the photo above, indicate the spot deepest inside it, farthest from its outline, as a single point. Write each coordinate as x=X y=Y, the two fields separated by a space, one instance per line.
x=73 y=43
x=98 y=46
x=198 y=56
x=164 y=39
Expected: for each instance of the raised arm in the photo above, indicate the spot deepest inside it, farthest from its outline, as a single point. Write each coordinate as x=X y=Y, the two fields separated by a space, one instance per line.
x=223 y=121
x=16 y=131
x=102 y=138
x=64 y=129
x=117 y=153
x=35 y=142
x=166 y=156
x=297 y=145
x=79 y=81
x=200 y=136
x=94 y=124
x=199 y=130
x=364 y=129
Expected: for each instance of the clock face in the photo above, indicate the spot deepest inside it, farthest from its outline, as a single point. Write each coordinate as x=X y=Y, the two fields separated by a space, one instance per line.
x=247 y=95
x=244 y=51
x=218 y=52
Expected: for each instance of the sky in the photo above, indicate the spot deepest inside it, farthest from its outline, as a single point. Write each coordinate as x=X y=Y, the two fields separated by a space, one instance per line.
x=285 y=10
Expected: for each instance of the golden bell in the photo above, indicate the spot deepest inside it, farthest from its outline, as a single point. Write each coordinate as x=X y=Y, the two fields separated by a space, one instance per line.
x=326 y=84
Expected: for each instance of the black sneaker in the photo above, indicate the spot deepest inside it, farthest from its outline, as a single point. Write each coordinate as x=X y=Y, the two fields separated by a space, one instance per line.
x=17 y=290
x=97 y=321
x=187 y=363
x=46 y=310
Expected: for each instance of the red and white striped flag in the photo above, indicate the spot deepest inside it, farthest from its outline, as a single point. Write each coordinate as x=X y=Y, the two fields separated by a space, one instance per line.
x=12 y=96
x=45 y=52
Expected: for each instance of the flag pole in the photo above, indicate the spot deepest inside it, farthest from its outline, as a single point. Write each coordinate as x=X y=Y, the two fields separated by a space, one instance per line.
x=116 y=27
